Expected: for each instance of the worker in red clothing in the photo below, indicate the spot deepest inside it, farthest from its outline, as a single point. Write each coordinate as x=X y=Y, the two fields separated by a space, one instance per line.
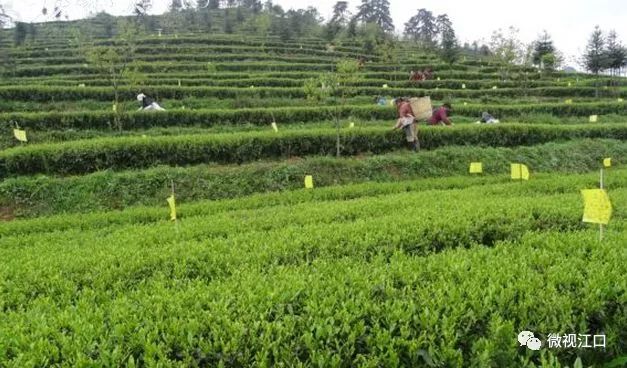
x=440 y=115
x=407 y=122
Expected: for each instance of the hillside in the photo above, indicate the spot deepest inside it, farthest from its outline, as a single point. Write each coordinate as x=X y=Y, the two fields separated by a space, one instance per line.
x=394 y=258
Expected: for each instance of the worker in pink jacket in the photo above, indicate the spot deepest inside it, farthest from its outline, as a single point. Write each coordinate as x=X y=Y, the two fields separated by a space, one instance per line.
x=440 y=115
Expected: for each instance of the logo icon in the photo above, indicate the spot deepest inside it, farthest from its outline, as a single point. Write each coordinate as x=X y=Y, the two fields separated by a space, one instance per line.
x=526 y=338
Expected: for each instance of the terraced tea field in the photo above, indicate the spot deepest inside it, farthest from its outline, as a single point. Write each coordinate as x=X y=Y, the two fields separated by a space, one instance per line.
x=394 y=258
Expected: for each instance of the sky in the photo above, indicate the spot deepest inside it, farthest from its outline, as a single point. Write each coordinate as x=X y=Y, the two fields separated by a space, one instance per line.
x=568 y=22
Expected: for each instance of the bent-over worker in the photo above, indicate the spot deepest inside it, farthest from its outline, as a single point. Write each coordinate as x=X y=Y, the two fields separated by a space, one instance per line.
x=440 y=115
x=407 y=122
x=148 y=104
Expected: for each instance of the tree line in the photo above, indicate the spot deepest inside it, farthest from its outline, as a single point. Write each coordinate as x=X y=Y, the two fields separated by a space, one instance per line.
x=371 y=26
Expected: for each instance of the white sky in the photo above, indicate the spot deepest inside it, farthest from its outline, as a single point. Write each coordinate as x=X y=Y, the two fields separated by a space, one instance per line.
x=568 y=22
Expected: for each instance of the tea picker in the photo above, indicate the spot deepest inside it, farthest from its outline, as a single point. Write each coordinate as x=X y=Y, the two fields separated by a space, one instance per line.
x=148 y=104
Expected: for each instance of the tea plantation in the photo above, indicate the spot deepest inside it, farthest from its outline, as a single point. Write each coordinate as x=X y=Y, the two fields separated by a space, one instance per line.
x=394 y=258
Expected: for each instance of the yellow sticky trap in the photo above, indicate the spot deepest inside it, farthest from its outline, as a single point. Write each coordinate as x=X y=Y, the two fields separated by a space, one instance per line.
x=494 y=87
x=463 y=85
x=597 y=206
x=465 y=103
x=569 y=101
x=252 y=87
x=569 y=84
x=594 y=118
x=275 y=127
x=620 y=99
x=20 y=135
x=524 y=172
x=179 y=82
x=309 y=182
x=115 y=108
x=82 y=85
x=385 y=86
x=519 y=172
x=351 y=125
x=476 y=168
x=607 y=162
x=172 y=204
x=438 y=78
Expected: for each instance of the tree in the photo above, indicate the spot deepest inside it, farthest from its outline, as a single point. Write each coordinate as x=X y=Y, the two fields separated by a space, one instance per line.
x=214 y=4
x=595 y=58
x=175 y=6
x=422 y=28
x=228 y=26
x=19 y=33
x=115 y=64
x=32 y=31
x=254 y=5
x=338 y=21
x=340 y=13
x=377 y=12
x=616 y=53
x=443 y=24
x=449 y=48
x=5 y=18
x=507 y=48
x=541 y=47
x=334 y=84
x=141 y=8
x=239 y=15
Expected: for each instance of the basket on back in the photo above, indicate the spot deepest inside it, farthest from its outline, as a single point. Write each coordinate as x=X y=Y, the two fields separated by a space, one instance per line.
x=421 y=107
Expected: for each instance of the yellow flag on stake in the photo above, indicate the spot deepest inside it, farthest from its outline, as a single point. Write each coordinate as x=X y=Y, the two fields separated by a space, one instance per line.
x=519 y=172
x=275 y=127
x=594 y=118
x=172 y=203
x=20 y=135
x=309 y=182
x=607 y=162
x=476 y=168
x=597 y=206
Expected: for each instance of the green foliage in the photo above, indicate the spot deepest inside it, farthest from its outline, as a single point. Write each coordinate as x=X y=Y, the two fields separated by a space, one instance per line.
x=37 y=196
x=595 y=58
x=79 y=157
x=318 y=281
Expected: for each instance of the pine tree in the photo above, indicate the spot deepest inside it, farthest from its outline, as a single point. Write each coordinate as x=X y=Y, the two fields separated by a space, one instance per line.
x=228 y=26
x=449 y=47
x=340 y=13
x=175 y=5
x=19 y=33
x=541 y=47
x=377 y=12
x=444 y=25
x=595 y=57
x=422 y=27
x=32 y=31
x=616 y=53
